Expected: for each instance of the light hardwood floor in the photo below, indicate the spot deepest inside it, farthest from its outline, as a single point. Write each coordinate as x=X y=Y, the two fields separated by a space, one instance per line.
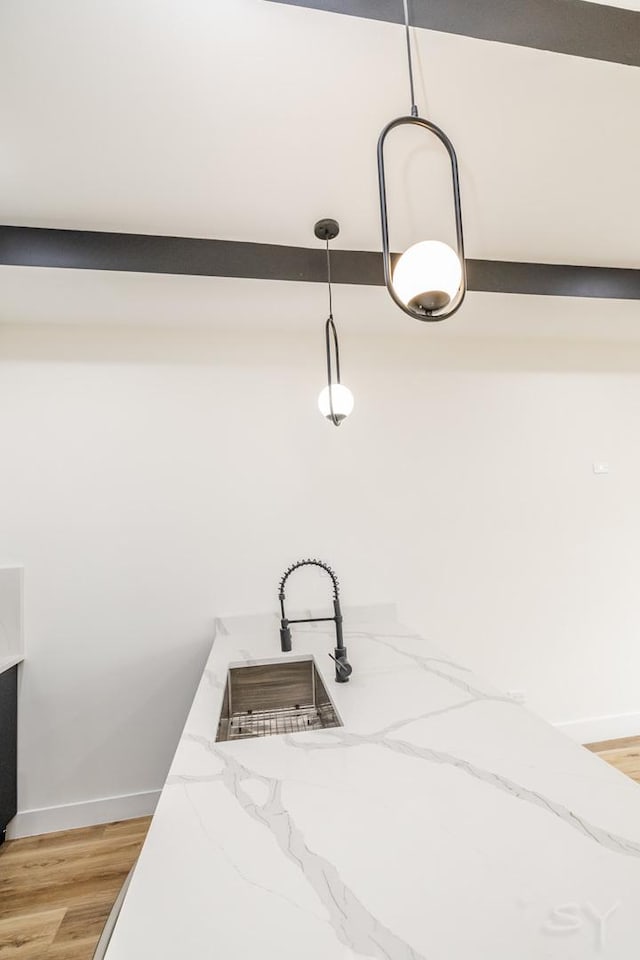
x=56 y=890
x=623 y=754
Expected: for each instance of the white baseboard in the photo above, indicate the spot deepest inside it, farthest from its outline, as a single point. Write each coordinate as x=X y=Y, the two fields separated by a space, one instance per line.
x=602 y=728
x=68 y=816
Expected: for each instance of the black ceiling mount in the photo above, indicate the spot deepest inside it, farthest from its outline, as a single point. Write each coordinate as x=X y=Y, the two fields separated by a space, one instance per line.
x=196 y=257
x=579 y=28
x=327 y=229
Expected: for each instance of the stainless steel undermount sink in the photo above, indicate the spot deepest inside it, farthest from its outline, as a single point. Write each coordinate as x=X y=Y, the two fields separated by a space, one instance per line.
x=269 y=698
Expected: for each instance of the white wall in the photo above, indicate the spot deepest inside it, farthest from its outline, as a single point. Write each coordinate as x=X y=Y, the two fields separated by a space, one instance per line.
x=11 y=636
x=152 y=480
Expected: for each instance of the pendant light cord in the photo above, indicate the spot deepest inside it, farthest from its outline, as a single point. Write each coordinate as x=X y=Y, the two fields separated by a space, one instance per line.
x=329 y=280
x=414 y=108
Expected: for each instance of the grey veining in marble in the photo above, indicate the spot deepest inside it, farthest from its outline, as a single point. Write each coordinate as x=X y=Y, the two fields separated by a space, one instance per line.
x=442 y=820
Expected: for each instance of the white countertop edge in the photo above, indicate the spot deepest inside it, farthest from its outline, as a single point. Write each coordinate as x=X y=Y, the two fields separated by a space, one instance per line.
x=7 y=662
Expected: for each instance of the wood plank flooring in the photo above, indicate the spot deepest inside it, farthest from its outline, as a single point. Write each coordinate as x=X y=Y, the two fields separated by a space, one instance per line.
x=623 y=754
x=56 y=890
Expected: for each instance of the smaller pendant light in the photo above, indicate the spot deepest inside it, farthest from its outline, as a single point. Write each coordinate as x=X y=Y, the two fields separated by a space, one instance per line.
x=429 y=279
x=335 y=401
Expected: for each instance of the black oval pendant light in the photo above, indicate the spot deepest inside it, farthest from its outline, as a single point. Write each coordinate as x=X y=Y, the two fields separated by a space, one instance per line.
x=335 y=401
x=429 y=279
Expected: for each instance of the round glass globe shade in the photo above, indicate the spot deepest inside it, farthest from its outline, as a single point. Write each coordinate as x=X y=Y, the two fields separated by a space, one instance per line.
x=428 y=275
x=342 y=400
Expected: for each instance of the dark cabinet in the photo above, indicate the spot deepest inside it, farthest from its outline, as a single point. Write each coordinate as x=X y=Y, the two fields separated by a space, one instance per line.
x=8 y=747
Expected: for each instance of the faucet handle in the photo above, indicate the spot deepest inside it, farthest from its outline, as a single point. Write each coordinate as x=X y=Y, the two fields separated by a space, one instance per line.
x=343 y=668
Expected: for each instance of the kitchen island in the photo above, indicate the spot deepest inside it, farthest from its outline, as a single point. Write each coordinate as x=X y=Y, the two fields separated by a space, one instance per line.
x=441 y=821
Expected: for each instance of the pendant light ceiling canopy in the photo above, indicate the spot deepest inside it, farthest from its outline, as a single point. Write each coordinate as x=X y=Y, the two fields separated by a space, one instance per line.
x=335 y=401
x=429 y=279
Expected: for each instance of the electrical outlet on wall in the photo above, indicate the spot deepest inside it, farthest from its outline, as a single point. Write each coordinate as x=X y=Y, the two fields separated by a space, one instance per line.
x=600 y=466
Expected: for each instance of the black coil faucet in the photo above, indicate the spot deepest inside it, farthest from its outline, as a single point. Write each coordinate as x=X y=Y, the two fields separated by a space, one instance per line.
x=343 y=667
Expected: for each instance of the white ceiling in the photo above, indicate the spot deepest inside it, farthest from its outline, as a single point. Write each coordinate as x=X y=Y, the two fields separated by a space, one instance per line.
x=248 y=120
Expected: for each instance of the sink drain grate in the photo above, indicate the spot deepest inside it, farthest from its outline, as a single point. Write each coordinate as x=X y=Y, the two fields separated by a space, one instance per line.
x=266 y=723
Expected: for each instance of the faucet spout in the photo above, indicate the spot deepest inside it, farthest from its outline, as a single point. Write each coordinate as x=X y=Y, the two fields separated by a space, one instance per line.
x=343 y=667
x=285 y=637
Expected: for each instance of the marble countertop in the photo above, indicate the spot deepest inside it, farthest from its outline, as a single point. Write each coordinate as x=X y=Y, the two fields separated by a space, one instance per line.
x=442 y=821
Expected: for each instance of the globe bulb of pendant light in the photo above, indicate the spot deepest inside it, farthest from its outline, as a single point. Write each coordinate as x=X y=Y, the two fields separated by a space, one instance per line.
x=342 y=400
x=427 y=276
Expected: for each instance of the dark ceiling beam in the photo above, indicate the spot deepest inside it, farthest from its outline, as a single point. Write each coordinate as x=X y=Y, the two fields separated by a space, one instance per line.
x=191 y=256
x=553 y=279
x=576 y=27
